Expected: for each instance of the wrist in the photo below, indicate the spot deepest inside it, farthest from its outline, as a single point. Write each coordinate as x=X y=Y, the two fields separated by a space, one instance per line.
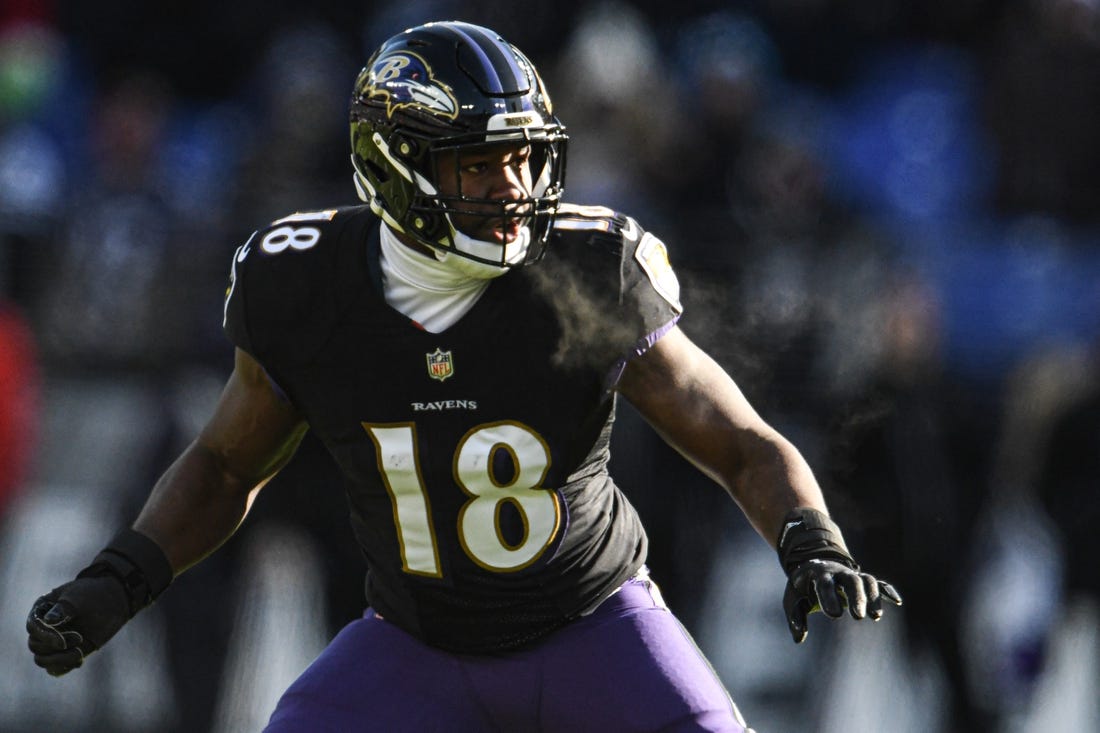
x=808 y=534
x=138 y=563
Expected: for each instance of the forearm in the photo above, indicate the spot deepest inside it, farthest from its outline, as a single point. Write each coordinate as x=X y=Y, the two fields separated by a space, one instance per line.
x=195 y=507
x=772 y=479
x=699 y=410
x=204 y=496
x=762 y=471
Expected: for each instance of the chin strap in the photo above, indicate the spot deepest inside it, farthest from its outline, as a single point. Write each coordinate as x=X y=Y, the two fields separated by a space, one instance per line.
x=514 y=253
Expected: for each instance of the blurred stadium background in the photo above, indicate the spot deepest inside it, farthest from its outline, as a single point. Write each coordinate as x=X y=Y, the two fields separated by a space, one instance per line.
x=886 y=216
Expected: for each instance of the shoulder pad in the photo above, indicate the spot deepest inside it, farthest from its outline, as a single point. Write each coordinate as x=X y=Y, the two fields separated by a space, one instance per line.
x=644 y=257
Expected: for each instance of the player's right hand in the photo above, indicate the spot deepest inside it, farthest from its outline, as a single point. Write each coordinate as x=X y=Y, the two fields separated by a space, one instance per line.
x=73 y=620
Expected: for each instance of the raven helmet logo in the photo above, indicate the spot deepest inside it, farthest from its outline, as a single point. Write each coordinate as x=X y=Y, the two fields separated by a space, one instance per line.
x=440 y=364
x=404 y=80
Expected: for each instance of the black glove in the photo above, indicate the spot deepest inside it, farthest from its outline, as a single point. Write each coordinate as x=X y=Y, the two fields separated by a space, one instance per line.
x=73 y=620
x=822 y=576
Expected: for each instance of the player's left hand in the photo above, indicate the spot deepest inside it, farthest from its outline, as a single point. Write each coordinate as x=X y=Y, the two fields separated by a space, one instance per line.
x=829 y=586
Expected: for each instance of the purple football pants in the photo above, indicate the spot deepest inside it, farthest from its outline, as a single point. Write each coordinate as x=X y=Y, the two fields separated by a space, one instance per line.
x=628 y=666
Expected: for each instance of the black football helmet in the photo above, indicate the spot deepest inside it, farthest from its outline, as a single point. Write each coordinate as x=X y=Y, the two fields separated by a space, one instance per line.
x=442 y=87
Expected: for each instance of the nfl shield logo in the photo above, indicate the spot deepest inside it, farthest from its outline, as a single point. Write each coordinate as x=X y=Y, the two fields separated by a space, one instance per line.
x=440 y=365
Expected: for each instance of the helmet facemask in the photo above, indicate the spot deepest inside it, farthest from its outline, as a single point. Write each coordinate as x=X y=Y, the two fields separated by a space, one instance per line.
x=419 y=207
x=516 y=222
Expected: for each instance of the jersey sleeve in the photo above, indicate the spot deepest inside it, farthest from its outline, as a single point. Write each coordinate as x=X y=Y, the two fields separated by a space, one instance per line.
x=612 y=284
x=281 y=301
x=235 y=315
x=651 y=290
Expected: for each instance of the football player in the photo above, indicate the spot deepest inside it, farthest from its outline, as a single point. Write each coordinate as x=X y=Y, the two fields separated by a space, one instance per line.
x=458 y=343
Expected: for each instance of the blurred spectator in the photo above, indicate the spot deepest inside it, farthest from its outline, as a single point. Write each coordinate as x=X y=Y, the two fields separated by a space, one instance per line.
x=1068 y=473
x=204 y=48
x=624 y=117
x=1067 y=479
x=906 y=142
x=727 y=73
x=295 y=156
x=904 y=464
x=1043 y=106
x=116 y=299
x=32 y=169
x=1016 y=597
x=19 y=384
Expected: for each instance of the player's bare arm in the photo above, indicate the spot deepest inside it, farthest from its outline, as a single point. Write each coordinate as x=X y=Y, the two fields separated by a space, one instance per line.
x=202 y=498
x=698 y=409
x=195 y=506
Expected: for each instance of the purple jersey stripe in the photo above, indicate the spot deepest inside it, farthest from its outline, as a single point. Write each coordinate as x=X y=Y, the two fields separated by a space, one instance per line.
x=640 y=347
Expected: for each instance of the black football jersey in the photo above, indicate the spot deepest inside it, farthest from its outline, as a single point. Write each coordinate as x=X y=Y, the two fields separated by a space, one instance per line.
x=477 y=457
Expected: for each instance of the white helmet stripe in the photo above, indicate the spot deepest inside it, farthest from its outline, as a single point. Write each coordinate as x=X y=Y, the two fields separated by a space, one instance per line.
x=384 y=147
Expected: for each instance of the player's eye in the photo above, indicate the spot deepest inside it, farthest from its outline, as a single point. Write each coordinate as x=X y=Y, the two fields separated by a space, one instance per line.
x=521 y=157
